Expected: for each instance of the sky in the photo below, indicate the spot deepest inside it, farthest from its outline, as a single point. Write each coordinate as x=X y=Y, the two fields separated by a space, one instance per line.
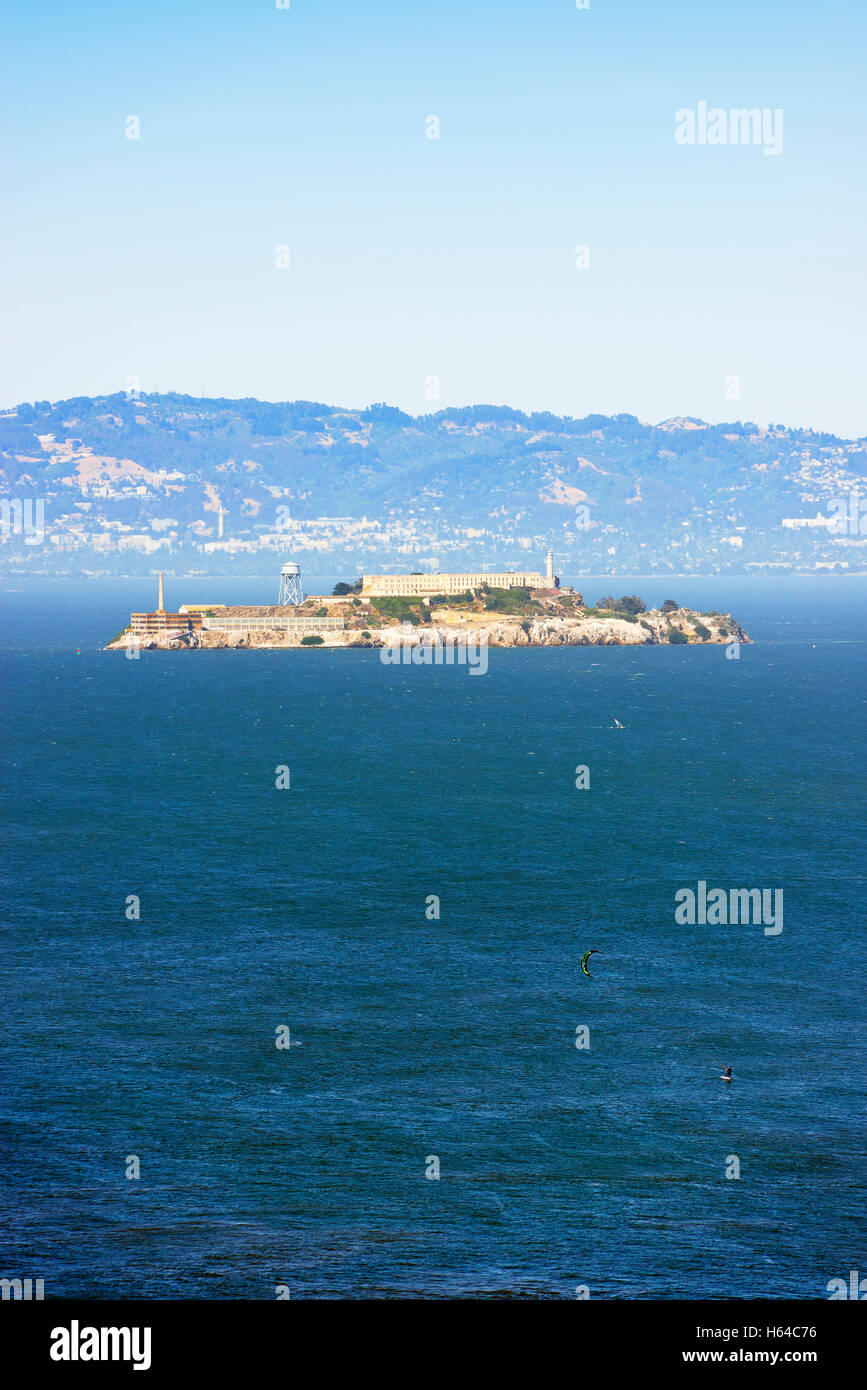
x=284 y=226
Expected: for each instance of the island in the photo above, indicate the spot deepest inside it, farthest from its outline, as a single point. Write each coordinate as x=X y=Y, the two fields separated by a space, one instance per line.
x=500 y=609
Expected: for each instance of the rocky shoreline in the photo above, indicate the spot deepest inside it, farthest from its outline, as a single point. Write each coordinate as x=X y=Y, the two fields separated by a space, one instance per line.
x=681 y=626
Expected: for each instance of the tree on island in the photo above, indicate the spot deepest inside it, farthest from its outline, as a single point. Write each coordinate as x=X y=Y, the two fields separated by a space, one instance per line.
x=341 y=590
x=629 y=603
x=669 y=606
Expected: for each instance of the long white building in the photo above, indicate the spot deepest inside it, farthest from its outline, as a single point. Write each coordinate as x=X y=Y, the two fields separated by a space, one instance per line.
x=424 y=585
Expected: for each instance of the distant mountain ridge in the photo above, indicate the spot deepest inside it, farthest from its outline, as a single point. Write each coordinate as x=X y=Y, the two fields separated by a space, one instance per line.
x=133 y=483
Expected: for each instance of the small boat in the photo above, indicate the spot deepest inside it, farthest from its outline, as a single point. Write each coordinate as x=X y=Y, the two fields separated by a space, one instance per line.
x=618 y=725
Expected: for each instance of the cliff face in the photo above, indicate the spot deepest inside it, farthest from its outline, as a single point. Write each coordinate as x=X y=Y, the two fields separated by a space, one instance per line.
x=650 y=629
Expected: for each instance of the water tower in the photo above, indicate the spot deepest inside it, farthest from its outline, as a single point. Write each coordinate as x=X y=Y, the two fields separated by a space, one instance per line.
x=291 y=591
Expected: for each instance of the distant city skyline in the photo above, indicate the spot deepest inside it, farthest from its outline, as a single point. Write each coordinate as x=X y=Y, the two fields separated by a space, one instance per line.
x=541 y=206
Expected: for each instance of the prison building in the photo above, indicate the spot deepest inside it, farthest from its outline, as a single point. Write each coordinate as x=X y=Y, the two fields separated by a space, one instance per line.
x=424 y=585
x=279 y=619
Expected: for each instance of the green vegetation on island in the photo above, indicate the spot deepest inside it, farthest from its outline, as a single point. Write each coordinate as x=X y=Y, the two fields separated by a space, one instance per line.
x=629 y=603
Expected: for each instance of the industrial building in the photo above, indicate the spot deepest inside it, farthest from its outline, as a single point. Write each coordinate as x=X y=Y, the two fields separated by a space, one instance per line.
x=146 y=624
x=220 y=617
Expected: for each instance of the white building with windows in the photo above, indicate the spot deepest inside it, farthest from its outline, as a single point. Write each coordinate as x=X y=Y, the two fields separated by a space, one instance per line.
x=425 y=585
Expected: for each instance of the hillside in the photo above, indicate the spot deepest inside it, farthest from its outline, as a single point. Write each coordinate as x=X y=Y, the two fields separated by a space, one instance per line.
x=132 y=485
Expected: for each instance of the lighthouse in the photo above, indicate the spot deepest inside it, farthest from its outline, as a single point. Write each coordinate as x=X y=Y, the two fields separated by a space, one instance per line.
x=549 y=570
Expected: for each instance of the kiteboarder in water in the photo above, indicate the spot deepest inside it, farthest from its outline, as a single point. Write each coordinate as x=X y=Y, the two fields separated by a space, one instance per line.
x=727 y=1074
x=584 y=959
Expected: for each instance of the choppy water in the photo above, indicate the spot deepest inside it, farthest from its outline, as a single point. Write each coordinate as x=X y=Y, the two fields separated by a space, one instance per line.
x=306 y=907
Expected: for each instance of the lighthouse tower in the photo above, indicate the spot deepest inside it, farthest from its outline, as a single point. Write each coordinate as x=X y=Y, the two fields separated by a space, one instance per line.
x=549 y=570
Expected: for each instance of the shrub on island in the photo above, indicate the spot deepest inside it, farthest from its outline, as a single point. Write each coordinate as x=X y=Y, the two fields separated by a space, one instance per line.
x=512 y=601
x=453 y=600
x=405 y=610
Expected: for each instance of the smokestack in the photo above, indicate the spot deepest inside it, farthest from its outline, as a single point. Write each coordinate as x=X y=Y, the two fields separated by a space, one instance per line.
x=161 y=607
x=549 y=569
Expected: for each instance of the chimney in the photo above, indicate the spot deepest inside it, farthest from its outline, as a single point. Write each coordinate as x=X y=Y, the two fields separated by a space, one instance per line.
x=161 y=607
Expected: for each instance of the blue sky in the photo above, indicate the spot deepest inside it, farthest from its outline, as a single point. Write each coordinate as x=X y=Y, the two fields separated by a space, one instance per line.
x=455 y=259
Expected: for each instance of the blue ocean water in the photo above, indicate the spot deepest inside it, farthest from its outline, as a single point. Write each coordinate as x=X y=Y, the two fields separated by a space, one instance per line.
x=454 y=1037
